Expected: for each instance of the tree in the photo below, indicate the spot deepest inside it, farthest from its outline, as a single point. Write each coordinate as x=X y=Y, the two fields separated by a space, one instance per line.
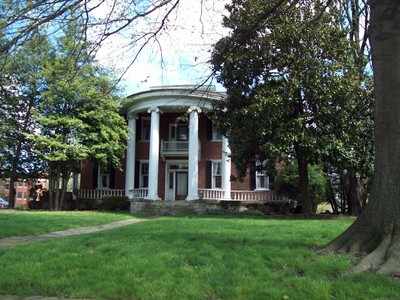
x=376 y=232
x=356 y=176
x=287 y=182
x=143 y=22
x=297 y=82
x=20 y=88
x=78 y=114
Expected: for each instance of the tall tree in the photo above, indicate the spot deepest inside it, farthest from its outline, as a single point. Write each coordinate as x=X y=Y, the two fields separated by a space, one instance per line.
x=78 y=116
x=297 y=82
x=19 y=96
x=377 y=230
x=356 y=177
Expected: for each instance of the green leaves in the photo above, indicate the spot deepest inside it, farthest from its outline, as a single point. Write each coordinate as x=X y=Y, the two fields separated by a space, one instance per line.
x=291 y=79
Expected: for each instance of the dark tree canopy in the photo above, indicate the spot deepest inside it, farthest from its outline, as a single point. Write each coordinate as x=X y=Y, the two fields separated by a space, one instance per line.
x=292 y=89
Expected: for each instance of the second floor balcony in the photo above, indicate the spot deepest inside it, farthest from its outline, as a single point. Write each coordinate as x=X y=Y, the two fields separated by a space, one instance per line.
x=175 y=148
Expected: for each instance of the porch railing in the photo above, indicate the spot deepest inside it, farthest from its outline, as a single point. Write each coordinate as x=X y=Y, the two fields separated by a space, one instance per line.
x=97 y=194
x=174 y=146
x=255 y=196
x=211 y=194
x=207 y=194
x=138 y=193
x=241 y=195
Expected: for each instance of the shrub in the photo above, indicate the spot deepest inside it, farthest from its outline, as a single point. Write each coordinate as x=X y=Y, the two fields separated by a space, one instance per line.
x=287 y=182
x=113 y=203
x=230 y=205
x=19 y=207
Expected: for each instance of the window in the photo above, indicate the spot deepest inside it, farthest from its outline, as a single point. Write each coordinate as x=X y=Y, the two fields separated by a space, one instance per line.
x=182 y=132
x=104 y=177
x=145 y=130
x=178 y=132
x=262 y=179
x=144 y=175
x=216 y=175
x=19 y=195
x=20 y=183
x=216 y=135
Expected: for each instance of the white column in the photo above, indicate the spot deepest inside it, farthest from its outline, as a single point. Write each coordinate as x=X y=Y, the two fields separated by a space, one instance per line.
x=154 y=153
x=226 y=168
x=130 y=155
x=193 y=172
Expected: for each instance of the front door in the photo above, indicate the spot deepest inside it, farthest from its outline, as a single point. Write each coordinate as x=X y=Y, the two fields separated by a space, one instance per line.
x=181 y=189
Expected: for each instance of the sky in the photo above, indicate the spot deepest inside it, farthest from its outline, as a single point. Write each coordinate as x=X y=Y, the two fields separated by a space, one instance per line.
x=185 y=49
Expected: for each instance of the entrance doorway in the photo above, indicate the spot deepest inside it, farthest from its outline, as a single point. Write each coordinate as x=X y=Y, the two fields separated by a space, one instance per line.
x=181 y=189
x=177 y=180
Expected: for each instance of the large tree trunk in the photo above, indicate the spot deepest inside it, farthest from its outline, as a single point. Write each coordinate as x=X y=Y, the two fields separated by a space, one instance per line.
x=377 y=230
x=354 y=191
x=302 y=165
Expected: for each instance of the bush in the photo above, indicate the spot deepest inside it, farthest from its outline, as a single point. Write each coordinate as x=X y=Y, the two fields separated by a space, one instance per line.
x=113 y=203
x=287 y=182
x=230 y=205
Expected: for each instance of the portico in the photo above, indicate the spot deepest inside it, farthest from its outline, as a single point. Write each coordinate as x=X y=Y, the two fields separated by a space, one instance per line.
x=164 y=157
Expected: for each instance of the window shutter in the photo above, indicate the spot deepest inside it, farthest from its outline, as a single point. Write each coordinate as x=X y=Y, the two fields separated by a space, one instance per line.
x=209 y=129
x=138 y=129
x=95 y=177
x=271 y=180
x=253 y=176
x=112 y=177
x=208 y=174
x=137 y=174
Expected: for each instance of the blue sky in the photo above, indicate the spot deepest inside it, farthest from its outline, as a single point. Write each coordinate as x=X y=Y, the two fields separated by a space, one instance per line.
x=185 y=49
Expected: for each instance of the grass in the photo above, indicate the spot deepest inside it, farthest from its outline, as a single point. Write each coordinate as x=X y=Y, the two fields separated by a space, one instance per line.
x=22 y=223
x=193 y=258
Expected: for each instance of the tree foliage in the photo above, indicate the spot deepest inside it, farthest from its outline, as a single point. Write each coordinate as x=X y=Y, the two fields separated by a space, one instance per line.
x=375 y=235
x=291 y=88
x=20 y=90
x=63 y=109
x=78 y=116
x=287 y=182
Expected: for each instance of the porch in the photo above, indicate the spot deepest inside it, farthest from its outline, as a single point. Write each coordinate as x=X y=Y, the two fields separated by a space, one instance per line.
x=210 y=201
x=204 y=194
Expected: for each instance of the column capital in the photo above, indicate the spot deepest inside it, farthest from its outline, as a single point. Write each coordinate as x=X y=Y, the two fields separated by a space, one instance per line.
x=154 y=109
x=194 y=108
x=132 y=115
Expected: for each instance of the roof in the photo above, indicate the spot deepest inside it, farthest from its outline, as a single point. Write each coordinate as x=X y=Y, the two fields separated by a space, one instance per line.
x=174 y=98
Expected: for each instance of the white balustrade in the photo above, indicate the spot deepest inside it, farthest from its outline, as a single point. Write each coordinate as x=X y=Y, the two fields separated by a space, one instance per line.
x=97 y=194
x=206 y=194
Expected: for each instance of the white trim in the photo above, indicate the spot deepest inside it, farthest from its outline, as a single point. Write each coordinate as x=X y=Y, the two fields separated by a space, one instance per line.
x=141 y=162
x=218 y=161
x=168 y=165
x=264 y=175
x=100 y=177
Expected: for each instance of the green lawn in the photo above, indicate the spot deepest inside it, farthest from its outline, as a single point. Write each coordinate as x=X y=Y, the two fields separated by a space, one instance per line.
x=193 y=258
x=22 y=223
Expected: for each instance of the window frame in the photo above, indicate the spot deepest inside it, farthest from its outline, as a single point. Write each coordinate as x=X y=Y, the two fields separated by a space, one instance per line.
x=215 y=134
x=143 y=175
x=261 y=177
x=103 y=175
x=214 y=174
x=145 y=130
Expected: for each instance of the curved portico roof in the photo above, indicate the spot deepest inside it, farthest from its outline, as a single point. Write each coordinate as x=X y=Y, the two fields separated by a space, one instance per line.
x=172 y=98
